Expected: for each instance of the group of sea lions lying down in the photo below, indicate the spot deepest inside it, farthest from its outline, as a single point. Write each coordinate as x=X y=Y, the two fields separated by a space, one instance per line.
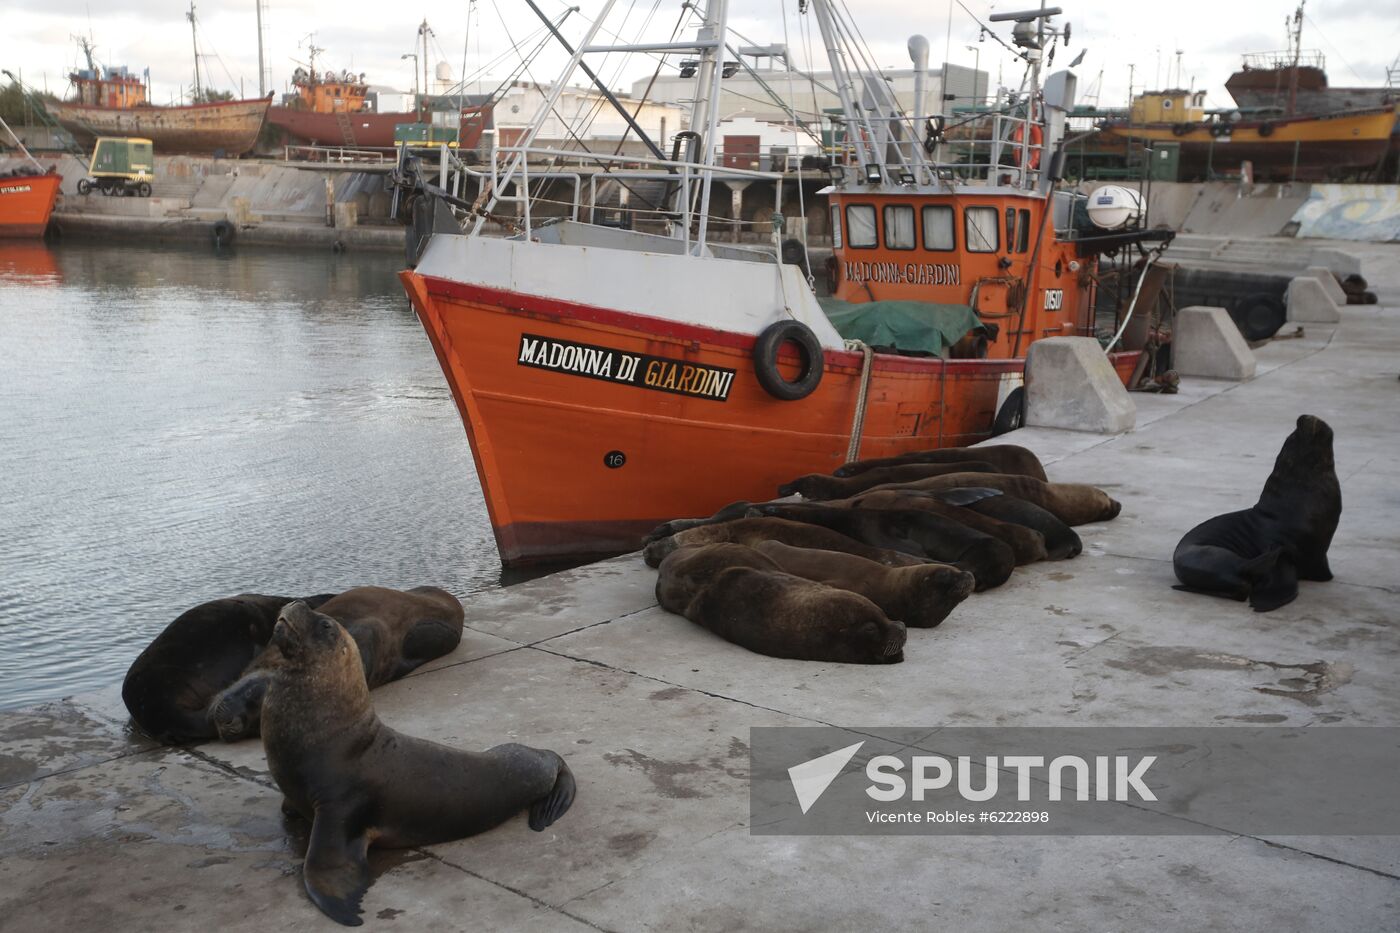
x=300 y=677
x=845 y=563
x=204 y=676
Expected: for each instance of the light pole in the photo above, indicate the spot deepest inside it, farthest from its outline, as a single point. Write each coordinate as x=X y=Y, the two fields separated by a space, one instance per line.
x=414 y=56
x=976 y=70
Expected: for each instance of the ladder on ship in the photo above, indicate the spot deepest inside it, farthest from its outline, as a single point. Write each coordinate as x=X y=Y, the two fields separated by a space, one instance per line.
x=347 y=132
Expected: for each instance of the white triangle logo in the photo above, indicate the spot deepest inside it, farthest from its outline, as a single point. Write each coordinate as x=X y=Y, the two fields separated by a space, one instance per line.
x=811 y=778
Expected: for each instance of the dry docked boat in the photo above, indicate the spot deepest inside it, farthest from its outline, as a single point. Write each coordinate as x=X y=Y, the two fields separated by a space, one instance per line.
x=610 y=379
x=112 y=101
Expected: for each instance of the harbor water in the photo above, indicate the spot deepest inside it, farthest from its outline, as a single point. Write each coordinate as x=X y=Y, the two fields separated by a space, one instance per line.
x=180 y=425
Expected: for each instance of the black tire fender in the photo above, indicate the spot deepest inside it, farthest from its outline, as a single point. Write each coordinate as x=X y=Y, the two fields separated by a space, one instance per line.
x=222 y=233
x=765 y=360
x=1012 y=414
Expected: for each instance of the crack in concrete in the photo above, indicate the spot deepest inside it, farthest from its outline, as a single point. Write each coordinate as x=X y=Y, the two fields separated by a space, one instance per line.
x=516 y=891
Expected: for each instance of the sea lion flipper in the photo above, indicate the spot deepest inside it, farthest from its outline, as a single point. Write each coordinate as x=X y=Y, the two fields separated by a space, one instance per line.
x=336 y=873
x=1279 y=587
x=556 y=803
x=966 y=495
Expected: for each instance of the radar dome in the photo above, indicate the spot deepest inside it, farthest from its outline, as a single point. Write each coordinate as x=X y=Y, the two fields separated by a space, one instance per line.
x=1114 y=207
x=444 y=71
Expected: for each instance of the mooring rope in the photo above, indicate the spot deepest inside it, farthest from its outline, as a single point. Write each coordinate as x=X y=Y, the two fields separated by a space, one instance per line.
x=858 y=424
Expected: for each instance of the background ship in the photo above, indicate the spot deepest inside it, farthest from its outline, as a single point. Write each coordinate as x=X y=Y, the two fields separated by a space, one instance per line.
x=113 y=101
x=332 y=108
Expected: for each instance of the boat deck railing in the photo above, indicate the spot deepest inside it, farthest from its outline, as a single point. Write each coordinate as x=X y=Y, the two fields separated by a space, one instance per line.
x=335 y=154
x=1264 y=61
x=1006 y=149
x=531 y=165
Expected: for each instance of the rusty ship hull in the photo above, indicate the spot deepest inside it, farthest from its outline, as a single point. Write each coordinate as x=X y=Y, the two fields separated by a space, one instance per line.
x=227 y=128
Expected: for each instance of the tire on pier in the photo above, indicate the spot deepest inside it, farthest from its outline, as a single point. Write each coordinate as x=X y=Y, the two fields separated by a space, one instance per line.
x=223 y=234
x=1258 y=316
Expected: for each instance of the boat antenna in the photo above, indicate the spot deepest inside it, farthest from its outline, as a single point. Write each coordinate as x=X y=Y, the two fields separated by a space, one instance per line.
x=194 y=39
x=600 y=85
x=1295 y=38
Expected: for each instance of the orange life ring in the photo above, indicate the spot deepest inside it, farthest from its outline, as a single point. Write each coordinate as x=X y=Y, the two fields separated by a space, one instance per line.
x=1037 y=138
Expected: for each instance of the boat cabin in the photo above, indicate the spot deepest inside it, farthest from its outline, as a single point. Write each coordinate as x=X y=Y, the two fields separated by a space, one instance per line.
x=1175 y=106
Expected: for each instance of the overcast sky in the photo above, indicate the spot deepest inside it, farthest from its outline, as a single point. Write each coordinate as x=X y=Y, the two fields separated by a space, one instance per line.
x=1359 y=38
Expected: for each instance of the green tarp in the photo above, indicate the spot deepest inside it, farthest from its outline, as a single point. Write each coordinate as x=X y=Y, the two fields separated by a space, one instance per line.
x=911 y=326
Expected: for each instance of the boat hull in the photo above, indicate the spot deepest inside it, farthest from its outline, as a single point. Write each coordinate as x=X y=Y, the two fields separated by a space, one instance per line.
x=1311 y=148
x=26 y=202
x=227 y=127
x=357 y=130
x=577 y=465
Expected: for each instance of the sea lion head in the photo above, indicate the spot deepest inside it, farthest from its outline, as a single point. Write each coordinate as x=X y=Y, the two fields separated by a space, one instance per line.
x=313 y=642
x=816 y=486
x=864 y=633
x=1309 y=447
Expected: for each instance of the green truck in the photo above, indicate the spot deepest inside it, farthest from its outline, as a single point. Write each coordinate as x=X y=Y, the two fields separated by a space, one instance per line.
x=121 y=166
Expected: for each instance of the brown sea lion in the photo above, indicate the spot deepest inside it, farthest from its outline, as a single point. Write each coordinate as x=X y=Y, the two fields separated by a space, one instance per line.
x=170 y=685
x=361 y=783
x=1027 y=544
x=819 y=486
x=752 y=530
x=1007 y=458
x=910 y=531
x=741 y=596
x=1071 y=503
x=1261 y=553
x=920 y=597
x=1061 y=542
x=397 y=631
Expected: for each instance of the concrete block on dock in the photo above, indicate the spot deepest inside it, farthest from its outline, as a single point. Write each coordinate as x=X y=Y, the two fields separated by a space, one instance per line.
x=1309 y=302
x=1070 y=384
x=347 y=214
x=1206 y=342
x=1330 y=285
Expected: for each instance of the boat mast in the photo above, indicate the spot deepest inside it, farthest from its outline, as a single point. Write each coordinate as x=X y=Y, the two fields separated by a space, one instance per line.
x=714 y=30
x=194 y=39
x=858 y=123
x=1295 y=38
x=262 y=68
x=424 y=30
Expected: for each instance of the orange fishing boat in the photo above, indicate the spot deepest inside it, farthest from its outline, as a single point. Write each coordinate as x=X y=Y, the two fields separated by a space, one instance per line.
x=27 y=195
x=612 y=379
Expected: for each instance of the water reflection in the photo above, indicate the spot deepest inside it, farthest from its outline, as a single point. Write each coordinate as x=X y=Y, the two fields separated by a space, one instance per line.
x=176 y=426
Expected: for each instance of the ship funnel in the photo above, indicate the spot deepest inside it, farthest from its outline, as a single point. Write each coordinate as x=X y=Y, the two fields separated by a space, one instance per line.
x=918 y=54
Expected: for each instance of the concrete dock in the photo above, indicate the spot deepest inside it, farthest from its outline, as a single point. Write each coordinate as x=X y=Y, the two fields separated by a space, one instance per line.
x=100 y=828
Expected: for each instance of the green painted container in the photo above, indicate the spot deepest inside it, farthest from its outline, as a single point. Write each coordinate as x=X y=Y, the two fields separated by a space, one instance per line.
x=123 y=157
x=1166 y=161
x=424 y=133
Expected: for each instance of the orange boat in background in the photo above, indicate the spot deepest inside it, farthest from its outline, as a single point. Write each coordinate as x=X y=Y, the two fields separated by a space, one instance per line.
x=613 y=379
x=27 y=195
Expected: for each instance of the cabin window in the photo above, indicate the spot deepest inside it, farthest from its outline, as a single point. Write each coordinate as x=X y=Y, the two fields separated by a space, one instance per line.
x=1010 y=228
x=899 y=227
x=1023 y=232
x=980 y=229
x=835 y=226
x=860 y=226
x=938 y=227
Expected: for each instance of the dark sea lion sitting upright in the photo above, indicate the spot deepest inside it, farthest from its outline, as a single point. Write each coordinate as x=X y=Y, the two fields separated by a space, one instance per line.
x=1007 y=458
x=740 y=595
x=1261 y=553
x=361 y=783
x=170 y=685
x=397 y=632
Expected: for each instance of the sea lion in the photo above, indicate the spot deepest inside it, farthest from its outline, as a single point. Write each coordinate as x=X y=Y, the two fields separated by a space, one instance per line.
x=1071 y=503
x=740 y=595
x=1011 y=459
x=169 y=686
x=1261 y=553
x=361 y=783
x=725 y=514
x=910 y=531
x=397 y=631
x=819 y=486
x=920 y=597
x=1061 y=542
x=751 y=530
x=1027 y=544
